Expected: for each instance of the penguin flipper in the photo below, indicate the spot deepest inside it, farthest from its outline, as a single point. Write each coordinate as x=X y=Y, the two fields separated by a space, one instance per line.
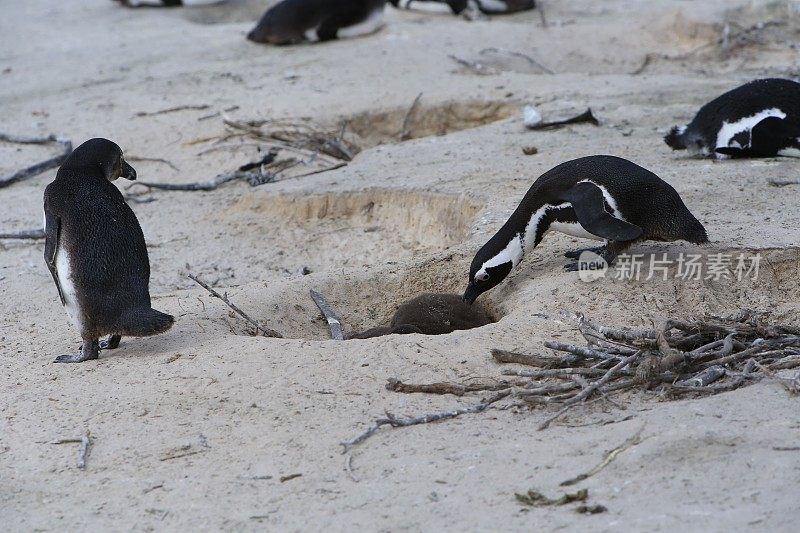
x=52 y=232
x=765 y=140
x=588 y=203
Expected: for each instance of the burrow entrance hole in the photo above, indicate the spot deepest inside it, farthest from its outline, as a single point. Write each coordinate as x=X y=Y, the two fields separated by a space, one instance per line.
x=372 y=128
x=363 y=300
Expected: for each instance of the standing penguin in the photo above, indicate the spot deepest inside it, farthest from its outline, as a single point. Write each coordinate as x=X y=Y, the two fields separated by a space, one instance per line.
x=95 y=250
x=488 y=7
x=758 y=119
x=295 y=21
x=597 y=197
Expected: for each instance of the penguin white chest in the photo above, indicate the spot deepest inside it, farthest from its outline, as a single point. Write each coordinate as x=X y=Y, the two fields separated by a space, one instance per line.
x=574 y=229
x=370 y=25
x=67 y=286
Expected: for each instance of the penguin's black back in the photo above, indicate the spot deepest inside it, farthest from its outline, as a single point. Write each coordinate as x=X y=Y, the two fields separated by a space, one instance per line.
x=641 y=197
x=104 y=242
x=287 y=21
x=745 y=101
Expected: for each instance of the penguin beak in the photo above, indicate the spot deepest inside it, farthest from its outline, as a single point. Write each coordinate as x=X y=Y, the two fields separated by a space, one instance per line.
x=128 y=172
x=470 y=294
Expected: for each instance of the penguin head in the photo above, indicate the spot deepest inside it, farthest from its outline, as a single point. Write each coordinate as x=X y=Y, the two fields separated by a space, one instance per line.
x=103 y=154
x=493 y=262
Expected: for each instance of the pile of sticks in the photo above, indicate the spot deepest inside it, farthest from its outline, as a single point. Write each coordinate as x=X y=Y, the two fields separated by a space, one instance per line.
x=282 y=134
x=694 y=357
x=698 y=356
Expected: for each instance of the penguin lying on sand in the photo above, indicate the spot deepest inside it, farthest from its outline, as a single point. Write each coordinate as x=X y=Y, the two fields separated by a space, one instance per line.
x=167 y=3
x=295 y=21
x=431 y=314
x=598 y=197
x=488 y=7
x=95 y=250
x=758 y=119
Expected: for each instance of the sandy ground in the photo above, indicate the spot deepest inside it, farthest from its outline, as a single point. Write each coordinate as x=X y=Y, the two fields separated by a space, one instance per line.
x=192 y=430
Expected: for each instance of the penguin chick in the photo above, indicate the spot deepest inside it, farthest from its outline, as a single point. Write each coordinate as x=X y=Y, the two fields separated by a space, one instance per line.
x=295 y=21
x=597 y=197
x=431 y=314
x=488 y=7
x=758 y=119
x=95 y=250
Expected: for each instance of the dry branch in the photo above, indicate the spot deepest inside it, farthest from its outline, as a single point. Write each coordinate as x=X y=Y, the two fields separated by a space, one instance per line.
x=587 y=116
x=42 y=166
x=24 y=234
x=526 y=57
x=224 y=297
x=405 y=132
x=189 y=107
x=505 y=356
x=696 y=356
x=610 y=456
x=393 y=421
x=783 y=183
x=457 y=389
x=330 y=316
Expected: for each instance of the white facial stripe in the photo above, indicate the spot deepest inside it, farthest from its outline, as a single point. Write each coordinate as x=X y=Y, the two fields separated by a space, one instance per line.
x=682 y=130
x=512 y=253
x=373 y=23
x=729 y=130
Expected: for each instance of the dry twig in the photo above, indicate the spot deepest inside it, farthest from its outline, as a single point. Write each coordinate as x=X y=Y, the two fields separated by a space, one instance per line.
x=38 y=168
x=405 y=132
x=224 y=297
x=393 y=421
x=330 y=316
x=610 y=456
x=33 y=234
x=586 y=116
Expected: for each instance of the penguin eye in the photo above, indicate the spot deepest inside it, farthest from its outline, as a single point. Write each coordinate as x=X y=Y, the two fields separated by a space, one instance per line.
x=481 y=276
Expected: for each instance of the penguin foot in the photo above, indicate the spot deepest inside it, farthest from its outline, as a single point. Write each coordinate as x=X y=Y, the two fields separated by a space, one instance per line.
x=90 y=350
x=112 y=343
x=575 y=254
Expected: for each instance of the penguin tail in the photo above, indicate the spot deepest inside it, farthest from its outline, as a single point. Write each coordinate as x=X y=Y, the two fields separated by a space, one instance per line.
x=675 y=139
x=146 y=322
x=697 y=233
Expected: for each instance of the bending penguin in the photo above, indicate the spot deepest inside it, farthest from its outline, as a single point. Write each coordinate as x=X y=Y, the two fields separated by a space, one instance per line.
x=295 y=21
x=758 y=119
x=488 y=7
x=95 y=250
x=599 y=197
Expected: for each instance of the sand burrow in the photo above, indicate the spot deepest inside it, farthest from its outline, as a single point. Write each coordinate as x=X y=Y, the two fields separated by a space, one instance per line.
x=353 y=229
x=382 y=127
x=363 y=300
